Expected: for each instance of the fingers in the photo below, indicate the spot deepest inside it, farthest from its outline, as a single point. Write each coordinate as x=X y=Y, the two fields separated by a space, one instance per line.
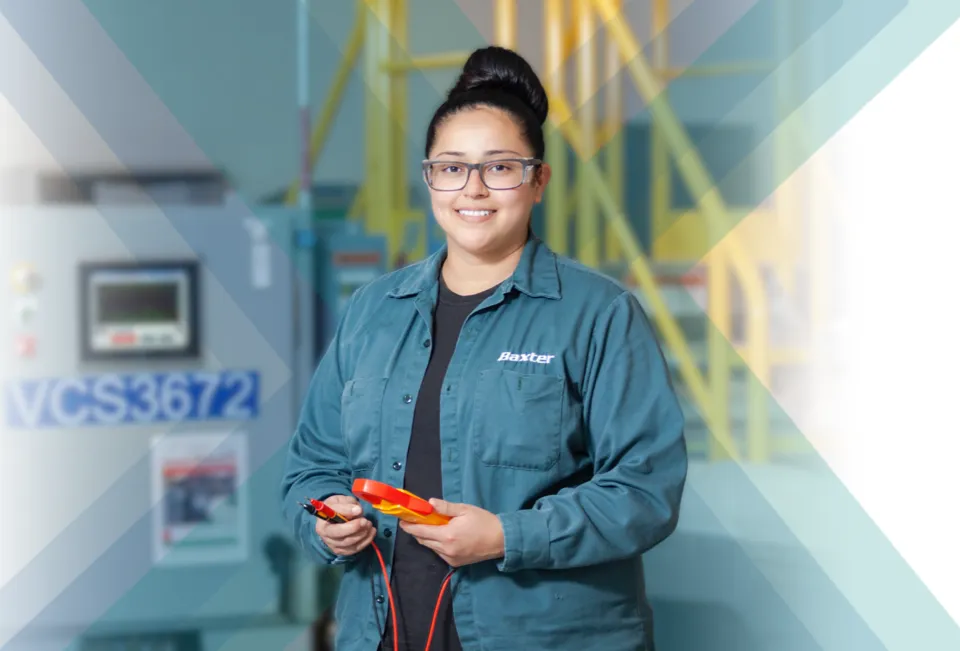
x=431 y=544
x=452 y=509
x=345 y=505
x=340 y=532
x=440 y=550
x=353 y=544
x=426 y=531
x=346 y=538
x=349 y=540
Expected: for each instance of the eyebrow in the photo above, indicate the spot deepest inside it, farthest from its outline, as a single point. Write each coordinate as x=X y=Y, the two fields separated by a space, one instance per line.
x=489 y=152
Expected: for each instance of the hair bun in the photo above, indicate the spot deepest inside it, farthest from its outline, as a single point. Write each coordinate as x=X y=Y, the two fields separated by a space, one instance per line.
x=496 y=68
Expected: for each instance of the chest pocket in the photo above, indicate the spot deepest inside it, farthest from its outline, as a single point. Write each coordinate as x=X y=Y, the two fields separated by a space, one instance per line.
x=361 y=406
x=517 y=419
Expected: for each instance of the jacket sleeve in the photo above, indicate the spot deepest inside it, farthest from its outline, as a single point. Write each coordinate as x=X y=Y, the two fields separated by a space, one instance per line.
x=634 y=429
x=316 y=463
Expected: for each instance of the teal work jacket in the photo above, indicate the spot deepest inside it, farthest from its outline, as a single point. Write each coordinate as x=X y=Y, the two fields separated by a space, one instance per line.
x=557 y=414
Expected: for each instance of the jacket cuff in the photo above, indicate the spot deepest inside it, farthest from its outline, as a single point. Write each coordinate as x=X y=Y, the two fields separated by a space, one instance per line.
x=325 y=553
x=526 y=541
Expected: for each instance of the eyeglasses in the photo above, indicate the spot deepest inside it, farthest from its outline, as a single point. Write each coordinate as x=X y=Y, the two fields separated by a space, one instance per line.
x=502 y=174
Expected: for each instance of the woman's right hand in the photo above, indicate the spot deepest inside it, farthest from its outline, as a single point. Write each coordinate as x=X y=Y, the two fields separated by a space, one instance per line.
x=345 y=538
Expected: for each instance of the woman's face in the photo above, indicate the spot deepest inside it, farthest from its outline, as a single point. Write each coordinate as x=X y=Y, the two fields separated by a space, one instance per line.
x=477 y=220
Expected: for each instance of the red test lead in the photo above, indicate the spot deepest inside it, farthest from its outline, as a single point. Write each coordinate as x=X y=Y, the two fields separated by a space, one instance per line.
x=319 y=509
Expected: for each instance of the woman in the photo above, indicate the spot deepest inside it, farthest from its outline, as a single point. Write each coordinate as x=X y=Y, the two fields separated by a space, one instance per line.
x=520 y=391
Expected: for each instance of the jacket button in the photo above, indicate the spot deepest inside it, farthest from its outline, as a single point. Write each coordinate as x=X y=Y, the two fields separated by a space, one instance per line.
x=397 y=465
x=380 y=599
x=388 y=533
x=408 y=398
x=426 y=343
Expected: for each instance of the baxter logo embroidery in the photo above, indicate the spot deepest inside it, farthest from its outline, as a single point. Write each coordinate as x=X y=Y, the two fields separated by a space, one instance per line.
x=535 y=358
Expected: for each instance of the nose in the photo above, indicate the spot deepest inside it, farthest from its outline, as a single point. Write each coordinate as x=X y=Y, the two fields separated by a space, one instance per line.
x=474 y=186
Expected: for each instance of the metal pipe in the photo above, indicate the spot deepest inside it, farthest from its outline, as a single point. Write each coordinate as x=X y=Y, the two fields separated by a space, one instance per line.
x=570 y=39
x=321 y=130
x=587 y=221
x=786 y=180
x=758 y=418
x=556 y=193
x=718 y=343
x=378 y=192
x=660 y=54
x=426 y=62
x=303 y=97
x=612 y=137
x=397 y=117
x=660 y=171
x=505 y=23
x=717 y=70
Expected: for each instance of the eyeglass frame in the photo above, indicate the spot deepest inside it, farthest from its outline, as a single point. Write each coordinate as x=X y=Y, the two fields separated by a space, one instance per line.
x=527 y=164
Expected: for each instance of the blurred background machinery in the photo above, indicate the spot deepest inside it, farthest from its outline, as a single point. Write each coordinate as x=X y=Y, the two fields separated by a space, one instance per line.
x=200 y=318
x=182 y=336
x=714 y=246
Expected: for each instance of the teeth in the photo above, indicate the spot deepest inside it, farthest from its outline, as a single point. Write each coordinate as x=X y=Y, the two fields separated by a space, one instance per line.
x=474 y=213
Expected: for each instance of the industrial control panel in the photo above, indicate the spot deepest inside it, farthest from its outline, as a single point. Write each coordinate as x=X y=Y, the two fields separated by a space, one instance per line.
x=153 y=362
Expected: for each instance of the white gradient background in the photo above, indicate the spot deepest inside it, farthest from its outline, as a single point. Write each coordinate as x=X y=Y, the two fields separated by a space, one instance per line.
x=885 y=384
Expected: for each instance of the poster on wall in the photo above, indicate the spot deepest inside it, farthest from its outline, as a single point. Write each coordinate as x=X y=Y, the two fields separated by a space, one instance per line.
x=199 y=498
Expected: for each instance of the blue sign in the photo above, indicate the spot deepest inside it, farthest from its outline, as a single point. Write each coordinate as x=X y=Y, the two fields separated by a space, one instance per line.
x=132 y=399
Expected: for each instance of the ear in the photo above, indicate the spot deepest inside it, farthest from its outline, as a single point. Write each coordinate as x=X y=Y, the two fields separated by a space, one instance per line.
x=543 y=177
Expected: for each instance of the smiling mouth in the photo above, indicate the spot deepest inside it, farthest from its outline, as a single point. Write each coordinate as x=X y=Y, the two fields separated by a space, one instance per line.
x=476 y=213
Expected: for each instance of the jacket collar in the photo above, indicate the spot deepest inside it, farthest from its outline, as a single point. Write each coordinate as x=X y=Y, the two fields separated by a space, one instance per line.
x=536 y=274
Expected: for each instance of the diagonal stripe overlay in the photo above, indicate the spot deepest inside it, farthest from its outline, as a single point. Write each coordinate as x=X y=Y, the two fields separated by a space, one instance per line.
x=829 y=591
x=853 y=574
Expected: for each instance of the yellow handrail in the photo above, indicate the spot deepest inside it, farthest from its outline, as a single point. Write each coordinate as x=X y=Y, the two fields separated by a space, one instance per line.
x=716 y=264
x=705 y=193
x=562 y=116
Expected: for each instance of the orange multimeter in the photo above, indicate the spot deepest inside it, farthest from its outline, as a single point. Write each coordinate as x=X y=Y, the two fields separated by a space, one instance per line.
x=396 y=501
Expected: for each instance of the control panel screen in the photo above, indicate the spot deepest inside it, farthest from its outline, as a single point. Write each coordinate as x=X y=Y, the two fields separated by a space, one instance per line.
x=138 y=309
x=140 y=303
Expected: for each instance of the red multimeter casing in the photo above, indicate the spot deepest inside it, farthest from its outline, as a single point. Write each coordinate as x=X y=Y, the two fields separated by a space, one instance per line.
x=396 y=501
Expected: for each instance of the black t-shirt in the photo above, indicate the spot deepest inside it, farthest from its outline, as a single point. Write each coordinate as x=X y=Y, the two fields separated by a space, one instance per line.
x=418 y=572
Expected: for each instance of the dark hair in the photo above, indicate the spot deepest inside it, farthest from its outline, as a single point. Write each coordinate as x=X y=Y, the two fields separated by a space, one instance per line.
x=498 y=77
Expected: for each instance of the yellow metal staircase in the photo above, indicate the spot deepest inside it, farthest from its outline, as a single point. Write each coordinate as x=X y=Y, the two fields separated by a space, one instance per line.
x=570 y=28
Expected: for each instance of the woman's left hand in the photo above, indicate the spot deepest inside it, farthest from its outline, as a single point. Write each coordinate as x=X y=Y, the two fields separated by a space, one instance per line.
x=471 y=536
